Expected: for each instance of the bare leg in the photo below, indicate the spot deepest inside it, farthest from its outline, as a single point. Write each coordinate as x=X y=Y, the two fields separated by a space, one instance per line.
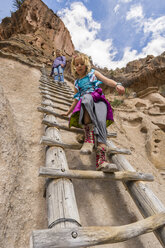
x=86 y=118
x=88 y=145
x=101 y=145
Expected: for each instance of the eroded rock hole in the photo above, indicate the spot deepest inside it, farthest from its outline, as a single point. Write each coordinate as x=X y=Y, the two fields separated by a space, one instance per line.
x=144 y=130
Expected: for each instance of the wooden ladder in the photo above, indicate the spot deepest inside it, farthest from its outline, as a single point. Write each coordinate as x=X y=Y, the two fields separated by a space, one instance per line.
x=64 y=226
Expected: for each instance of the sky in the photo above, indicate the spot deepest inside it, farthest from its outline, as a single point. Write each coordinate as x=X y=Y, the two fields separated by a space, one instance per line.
x=112 y=32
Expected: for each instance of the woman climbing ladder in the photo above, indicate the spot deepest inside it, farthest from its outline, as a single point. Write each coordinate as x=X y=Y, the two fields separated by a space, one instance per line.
x=90 y=108
x=58 y=67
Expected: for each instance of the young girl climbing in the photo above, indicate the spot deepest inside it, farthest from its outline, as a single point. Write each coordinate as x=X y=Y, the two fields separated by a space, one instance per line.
x=90 y=108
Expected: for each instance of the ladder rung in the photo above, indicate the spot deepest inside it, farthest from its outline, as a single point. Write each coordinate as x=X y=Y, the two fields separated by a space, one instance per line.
x=111 y=151
x=56 y=96
x=54 y=100
x=52 y=124
x=50 y=142
x=95 y=235
x=47 y=111
x=46 y=89
x=53 y=106
x=60 y=84
x=74 y=146
x=56 y=89
x=56 y=86
x=74 y=130
x=90 y=174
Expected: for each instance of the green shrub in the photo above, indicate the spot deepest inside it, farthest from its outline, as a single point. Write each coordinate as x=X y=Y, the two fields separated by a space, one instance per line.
x=17 y=4
x=162 y=90
x=116 y=102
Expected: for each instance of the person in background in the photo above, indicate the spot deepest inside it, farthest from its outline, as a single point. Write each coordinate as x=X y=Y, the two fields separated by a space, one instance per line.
x=58 y=67
x=90 y=108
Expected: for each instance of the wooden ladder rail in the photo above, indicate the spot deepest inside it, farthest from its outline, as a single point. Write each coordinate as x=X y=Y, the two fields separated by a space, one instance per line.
x=145 y=200
x=60 y=197
x=142 y=200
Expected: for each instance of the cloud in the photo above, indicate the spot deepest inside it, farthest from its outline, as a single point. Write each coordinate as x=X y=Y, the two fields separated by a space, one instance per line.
x=125 y=1
x=147 y=25
x=128 y=55
x=155 y=47
x=80 y=18
x=83 y=29
x=155 y=26
x=135 y=12
x=116 y=8
x=152 y=29
x=102 y=52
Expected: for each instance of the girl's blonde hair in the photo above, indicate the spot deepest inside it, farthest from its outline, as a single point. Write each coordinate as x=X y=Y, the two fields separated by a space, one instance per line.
x=86 y=61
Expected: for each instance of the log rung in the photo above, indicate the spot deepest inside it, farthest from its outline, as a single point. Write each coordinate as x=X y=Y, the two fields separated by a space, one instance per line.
x=57 y=89
x=73 y=146
x=55 y=96
x=53 y=106
x=46 y=89
x=60 y=84
x=111 y=151
x=90 y=174
x=51 y=142
x=47 y=111
x=74 y=130
x=95 y=235
x=56 y=86
x=54 y=100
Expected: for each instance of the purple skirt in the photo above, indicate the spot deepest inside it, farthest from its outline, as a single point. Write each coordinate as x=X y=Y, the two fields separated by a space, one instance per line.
x=97 y=96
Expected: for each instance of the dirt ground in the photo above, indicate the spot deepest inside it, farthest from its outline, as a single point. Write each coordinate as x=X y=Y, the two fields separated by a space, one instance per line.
x=22 y=206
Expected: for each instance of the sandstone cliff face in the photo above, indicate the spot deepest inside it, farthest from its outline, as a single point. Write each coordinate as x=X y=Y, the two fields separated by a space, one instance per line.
x=34 y=30
x=23 y=208
x=143 y=73
x=29 y=37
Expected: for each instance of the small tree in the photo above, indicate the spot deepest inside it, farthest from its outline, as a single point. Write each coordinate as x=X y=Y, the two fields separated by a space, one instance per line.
x=17 y=4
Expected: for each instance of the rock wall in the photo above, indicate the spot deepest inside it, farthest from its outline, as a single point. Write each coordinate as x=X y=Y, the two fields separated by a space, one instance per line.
x=38 y=26
x=29 y=37
x=143 y=73
x=22 y=206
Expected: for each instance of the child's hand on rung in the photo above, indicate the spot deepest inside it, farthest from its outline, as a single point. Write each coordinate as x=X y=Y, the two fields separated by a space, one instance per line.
x=65 y=114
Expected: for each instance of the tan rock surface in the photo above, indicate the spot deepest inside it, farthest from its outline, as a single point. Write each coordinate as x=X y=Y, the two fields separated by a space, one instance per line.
x=141 y=74
x=22 y=204
x=37 y=30
x=29 y=37
x=21 y=155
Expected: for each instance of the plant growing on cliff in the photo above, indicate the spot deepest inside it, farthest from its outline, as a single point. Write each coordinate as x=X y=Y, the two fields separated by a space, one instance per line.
x=17 y=4
x=116 y=102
